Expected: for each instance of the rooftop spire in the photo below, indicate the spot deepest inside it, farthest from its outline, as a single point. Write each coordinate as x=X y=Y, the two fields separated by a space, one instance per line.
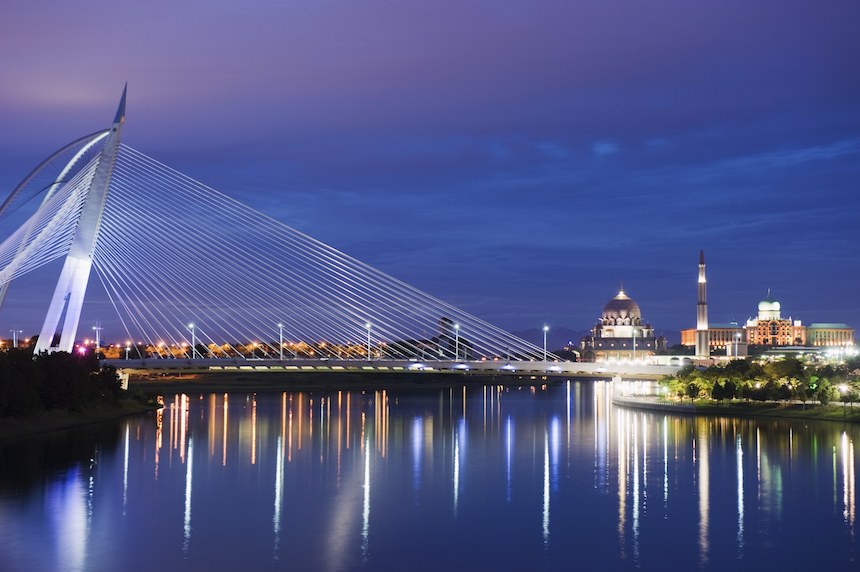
x=701 y=257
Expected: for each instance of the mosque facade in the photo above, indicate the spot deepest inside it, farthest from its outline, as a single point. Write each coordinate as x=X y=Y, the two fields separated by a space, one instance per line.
x=620 y=333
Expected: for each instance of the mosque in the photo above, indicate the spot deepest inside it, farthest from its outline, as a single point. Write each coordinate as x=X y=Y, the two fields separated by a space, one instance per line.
x=620 y=333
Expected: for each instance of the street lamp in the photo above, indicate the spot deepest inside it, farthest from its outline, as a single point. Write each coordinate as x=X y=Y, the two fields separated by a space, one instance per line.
x=368 y=325
x=842 y=389
x=127 y=348
x=281 y=341
x=634 y=343
x=456 y=342
x=98 y=330
x=193 y=341
x=545 y=330
x=15 y=337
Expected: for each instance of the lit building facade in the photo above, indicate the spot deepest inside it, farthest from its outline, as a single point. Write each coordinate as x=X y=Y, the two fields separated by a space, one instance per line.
x=769 y=328
x=829 y=335
x=720 y=336
x=620 y=333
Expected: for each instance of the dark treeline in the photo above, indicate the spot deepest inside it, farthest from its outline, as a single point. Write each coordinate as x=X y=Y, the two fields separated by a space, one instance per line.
x=56 y=381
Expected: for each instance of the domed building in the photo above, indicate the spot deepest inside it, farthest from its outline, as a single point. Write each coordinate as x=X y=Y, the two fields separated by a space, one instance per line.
x=620 y=333
x=770 y=329
x=769 y=308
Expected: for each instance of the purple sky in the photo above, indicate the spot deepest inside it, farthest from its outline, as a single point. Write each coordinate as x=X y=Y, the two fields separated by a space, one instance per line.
x=515 y=158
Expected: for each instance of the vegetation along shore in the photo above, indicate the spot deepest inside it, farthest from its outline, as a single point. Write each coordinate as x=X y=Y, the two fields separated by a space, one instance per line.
x=58 y=391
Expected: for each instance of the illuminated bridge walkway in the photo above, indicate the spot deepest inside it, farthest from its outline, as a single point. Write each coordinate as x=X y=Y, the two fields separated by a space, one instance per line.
x=480 y=367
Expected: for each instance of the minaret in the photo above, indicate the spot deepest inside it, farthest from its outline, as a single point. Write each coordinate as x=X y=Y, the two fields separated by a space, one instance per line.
x=702 y=341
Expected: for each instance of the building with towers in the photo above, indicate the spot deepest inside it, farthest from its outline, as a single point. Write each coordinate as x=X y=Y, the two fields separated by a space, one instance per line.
x=768 y=329
x=620 y=333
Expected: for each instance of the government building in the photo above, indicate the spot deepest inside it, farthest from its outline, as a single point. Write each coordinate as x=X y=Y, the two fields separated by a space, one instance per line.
x=620 y=334
x=769 y=328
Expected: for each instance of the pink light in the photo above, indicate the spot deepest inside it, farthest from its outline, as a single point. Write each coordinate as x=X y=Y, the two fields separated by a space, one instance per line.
x=82 y=350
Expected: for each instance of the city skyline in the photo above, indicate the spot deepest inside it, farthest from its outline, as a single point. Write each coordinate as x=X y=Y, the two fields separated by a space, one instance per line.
x=518 y=163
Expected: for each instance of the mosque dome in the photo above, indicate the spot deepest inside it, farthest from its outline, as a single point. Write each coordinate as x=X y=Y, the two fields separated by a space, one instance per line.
x=621 y=307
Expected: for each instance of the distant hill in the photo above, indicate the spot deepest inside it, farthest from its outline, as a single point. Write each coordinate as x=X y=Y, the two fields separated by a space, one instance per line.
x=556 y=338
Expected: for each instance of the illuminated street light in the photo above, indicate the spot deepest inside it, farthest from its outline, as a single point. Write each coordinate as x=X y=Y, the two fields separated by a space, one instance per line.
x=15 y=337
x=634 y=344
x=127 y=348
x=193 y=341
x=545 y=330
x=842 y=390
x=456 y=342
x=281 y=341
x=98 y=330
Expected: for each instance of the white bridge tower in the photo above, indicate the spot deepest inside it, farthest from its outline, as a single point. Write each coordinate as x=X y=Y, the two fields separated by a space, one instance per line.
x=69 y=294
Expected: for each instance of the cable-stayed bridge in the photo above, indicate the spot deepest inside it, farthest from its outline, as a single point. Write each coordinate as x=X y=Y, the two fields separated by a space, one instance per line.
x=185 y=265
x=197 y=275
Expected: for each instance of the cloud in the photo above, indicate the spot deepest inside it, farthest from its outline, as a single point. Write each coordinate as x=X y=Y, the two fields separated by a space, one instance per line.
x=604 y=148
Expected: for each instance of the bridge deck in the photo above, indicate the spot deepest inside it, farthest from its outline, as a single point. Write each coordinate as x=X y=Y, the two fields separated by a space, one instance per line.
x=515 y=368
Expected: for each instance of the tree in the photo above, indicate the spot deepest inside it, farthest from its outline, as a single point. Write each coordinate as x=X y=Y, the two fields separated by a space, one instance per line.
x=826 y=392
x=692 y=390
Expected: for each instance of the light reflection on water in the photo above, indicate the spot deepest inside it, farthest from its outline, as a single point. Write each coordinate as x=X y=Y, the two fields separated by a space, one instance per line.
x=497 y=477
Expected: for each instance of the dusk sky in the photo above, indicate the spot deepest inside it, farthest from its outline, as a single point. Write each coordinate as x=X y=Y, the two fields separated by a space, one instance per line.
x=518 y=159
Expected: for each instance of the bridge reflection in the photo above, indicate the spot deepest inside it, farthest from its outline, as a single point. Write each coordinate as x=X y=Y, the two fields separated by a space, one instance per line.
x=350 y=436
x=336 y=473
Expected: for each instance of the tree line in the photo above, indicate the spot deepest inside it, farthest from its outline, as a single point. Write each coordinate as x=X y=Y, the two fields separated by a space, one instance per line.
x=781 y=380
x=53 y=381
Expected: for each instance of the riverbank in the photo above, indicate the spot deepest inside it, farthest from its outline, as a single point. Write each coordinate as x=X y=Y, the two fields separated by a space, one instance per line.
x=58 y=420
x=224 y=382
x=811 y=411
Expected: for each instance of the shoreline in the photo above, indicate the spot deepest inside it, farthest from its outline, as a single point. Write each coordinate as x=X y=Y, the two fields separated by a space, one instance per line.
x=52 y=421
x=771 y=410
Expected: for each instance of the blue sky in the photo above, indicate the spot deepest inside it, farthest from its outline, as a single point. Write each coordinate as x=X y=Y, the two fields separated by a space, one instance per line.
x=518 y=159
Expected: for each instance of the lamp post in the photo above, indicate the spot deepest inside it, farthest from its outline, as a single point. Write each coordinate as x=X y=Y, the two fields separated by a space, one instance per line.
x=545 y=330
x=193 y=341
x=842 y=389
x=456 y=342
x=281 y=341
x=634 y=343
x=368 y=325
x=98 y=330
x=15 y=337
x=127 y=349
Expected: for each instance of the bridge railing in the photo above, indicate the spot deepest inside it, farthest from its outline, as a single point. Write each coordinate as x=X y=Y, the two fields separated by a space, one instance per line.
x=488 y=367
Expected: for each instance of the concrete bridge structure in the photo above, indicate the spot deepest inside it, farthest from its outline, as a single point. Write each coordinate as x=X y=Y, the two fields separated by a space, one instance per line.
x=550 y=369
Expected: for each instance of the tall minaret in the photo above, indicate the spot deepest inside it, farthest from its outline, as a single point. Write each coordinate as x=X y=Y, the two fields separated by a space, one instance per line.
x=702 y=341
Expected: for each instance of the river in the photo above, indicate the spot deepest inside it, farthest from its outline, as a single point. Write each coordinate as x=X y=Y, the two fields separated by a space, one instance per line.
x=476 y=478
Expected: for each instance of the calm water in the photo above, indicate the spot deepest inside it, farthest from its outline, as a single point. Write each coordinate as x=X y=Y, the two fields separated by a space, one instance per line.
x=482 y=478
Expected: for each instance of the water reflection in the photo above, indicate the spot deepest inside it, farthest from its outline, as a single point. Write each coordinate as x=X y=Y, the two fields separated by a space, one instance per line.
x=308 y=479
x=739 y=459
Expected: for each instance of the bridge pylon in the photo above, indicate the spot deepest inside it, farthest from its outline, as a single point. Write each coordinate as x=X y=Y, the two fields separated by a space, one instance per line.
x=68 y=297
